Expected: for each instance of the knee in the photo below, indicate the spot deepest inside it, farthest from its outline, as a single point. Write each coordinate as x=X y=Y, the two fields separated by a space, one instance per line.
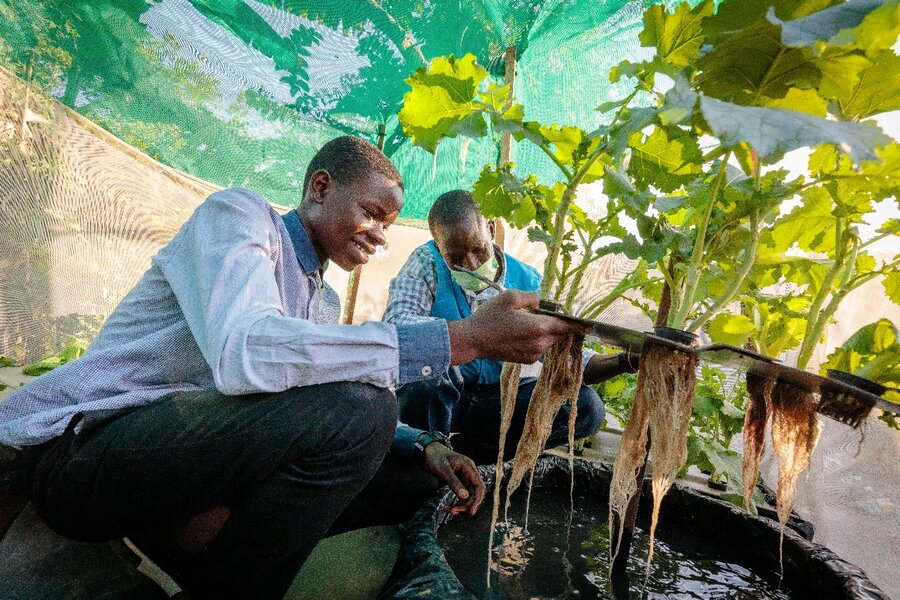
x=591 y=411
x=349 y=417
x=373 y=412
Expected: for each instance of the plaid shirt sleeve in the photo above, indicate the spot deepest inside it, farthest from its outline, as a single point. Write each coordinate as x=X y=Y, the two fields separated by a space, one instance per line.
x=411 y=293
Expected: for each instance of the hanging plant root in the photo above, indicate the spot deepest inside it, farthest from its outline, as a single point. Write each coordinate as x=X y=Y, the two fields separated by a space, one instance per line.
x=558 y=382
x=671 y=377
x=759 y=391
x=509 y=389
x=662 y=412
x=795 y=432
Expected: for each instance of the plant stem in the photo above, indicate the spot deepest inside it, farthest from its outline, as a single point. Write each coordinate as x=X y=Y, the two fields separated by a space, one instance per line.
x=815 y=325
x=556 y=161
x=579 y=271
x=692 y=278
x=740 y=276
x=838 y=297
x=559 y=222
x=559 y=225
x=864 y=278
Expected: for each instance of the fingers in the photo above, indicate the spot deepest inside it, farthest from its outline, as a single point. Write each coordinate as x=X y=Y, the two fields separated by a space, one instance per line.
x=469 y=473
x=519 y=299
x=461 y=475
x=501 y=329
x=464 y=498
x=560 y=327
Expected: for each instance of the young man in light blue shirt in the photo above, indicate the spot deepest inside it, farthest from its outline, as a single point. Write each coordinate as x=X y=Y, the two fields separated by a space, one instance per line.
x=221 y=419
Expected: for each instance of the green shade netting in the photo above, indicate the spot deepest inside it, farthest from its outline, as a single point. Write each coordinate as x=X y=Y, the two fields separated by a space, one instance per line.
x=242 y=93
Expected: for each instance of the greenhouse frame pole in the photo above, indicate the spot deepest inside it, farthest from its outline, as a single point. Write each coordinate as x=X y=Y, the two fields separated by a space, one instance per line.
x=353 y=282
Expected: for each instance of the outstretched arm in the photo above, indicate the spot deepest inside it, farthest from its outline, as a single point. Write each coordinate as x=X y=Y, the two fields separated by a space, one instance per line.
x=604 y=366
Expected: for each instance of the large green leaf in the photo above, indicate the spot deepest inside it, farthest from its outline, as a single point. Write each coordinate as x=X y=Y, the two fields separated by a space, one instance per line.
x=823 y=24
x=858 y=187
x=811 y=225
x=733 y=16
x=877 y=89
x=677 y=37
x=753 y=63
x=731 y=329
x=878 y=31
x=892 y=286
x=496 y=199
x=666 y=159
x=774 y=131
x=872 y=352
x=841 y=69
x=522 y=202
x=441 y=102
x=617 y=186
x=805 y=101
x=565 y=140
x=631 y=120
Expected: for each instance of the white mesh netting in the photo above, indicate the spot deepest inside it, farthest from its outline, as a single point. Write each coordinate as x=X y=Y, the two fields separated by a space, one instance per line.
x=81 y=213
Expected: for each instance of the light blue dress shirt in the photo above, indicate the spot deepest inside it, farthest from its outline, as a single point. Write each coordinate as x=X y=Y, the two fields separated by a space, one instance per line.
x=235 y=301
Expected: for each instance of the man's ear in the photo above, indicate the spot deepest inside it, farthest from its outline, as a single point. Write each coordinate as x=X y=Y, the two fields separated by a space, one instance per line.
x=319 y=185
x=490 y=226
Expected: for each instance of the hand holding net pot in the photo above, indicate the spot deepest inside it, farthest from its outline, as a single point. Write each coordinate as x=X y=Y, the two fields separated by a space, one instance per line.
x=503 y=329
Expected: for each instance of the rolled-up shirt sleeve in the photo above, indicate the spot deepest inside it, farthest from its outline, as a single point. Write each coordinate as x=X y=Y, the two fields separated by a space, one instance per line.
x=222 y=272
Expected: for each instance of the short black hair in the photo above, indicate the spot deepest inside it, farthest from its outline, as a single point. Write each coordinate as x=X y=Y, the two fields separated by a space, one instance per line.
x=451 y=208
x=349 y=158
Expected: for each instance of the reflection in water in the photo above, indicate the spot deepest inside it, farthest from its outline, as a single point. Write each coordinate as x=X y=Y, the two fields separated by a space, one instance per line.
x=511 y=550
x=553 y=561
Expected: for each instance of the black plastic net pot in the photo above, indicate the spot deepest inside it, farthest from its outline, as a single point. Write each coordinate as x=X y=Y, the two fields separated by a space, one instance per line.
x=706 y=548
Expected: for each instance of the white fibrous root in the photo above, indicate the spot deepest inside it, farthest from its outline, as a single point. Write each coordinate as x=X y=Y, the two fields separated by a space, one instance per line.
x=670 y=380
x=662 y=410
x=509 y=390
x=631 y=456
x=559 y=381
x=759 y=391
x=795 y=433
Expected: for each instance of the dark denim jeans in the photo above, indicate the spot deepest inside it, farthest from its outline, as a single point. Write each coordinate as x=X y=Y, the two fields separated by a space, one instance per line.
x=290 y=466
x=472 y=411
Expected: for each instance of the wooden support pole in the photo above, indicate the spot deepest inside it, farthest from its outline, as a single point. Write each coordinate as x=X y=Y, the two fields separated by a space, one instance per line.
x=509 y=76
x=353 y=282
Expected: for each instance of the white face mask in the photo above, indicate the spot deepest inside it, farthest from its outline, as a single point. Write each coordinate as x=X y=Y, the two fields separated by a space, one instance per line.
x=487 y=269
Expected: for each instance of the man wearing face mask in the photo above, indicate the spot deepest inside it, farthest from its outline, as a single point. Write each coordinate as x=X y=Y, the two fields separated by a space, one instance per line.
x=466 y=399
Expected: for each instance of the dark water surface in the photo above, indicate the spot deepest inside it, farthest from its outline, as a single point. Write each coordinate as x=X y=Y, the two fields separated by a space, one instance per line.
x=553 y=560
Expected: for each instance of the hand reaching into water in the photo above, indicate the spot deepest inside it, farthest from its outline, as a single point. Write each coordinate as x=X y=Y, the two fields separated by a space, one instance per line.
x=458 y=472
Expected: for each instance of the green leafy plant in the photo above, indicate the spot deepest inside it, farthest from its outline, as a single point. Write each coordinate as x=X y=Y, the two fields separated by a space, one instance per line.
x=73 y=350
x=690 y=156
x=700 y=210
x=873 y=352
x=834 y=258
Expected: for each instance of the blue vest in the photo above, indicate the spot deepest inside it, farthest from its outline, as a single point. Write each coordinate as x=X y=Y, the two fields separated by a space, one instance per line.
x=450 y=303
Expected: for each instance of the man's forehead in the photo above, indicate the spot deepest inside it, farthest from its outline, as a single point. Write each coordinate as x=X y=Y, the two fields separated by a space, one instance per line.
x=386 y=192
x=467 y=233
